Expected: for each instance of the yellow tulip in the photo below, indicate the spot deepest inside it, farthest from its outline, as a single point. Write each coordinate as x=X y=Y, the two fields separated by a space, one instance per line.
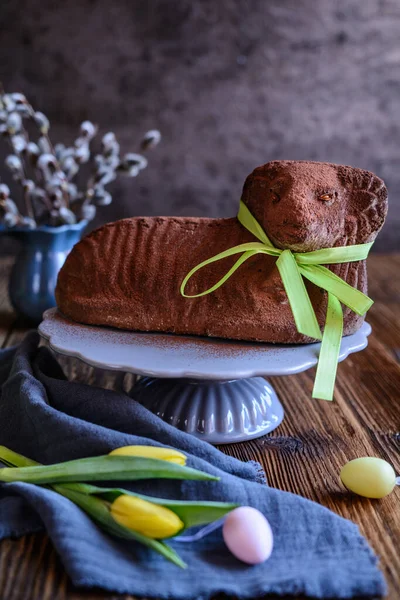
x=168 y=454
x=151 y=520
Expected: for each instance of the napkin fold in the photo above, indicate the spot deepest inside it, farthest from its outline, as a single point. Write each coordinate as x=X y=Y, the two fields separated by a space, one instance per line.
x=50 y=419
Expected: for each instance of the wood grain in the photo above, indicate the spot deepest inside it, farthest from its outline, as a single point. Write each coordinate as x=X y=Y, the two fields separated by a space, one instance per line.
x=304 y=455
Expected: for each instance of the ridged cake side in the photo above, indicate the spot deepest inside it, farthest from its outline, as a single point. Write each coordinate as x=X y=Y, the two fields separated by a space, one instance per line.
x=127 y=275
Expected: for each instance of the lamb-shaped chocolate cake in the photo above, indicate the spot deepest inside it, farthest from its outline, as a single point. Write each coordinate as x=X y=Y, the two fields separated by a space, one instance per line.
x=128 y=274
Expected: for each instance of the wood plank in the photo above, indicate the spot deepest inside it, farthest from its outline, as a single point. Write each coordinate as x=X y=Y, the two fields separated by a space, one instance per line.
x=383 y=277
x=304 y=455
x=31 y=570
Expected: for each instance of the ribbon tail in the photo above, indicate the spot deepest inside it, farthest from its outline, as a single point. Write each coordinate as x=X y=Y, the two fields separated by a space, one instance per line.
x=299 y=300
x=324 y=383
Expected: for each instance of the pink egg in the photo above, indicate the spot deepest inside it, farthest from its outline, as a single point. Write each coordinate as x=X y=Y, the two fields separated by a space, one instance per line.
x=248 y=535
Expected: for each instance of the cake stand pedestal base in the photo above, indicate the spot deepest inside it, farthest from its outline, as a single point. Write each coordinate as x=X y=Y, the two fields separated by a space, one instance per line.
x=219 y=412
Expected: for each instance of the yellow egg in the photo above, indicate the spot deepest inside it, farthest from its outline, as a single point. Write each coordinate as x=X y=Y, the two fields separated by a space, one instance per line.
x=369 y=477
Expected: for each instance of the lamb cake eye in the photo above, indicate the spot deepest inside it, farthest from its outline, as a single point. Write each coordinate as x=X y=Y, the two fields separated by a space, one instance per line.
x=327 y=198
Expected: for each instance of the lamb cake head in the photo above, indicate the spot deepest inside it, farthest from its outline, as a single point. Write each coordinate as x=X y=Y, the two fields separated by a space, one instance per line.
x=128 y=274
x=306 y=206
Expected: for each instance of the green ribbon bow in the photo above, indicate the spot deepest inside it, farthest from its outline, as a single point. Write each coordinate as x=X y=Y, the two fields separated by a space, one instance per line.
x=293 y=266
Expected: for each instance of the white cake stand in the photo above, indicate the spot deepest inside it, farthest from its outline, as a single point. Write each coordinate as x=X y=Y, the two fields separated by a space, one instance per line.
x=211 y=388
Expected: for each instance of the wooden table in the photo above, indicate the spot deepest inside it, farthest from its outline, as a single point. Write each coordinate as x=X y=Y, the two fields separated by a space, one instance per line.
x=304 y=455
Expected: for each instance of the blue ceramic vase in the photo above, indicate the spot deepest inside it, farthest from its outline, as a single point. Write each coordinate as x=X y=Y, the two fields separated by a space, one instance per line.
x=34 y=275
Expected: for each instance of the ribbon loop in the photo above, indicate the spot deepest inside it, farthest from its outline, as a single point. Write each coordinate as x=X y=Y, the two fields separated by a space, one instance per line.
x=248 y=250
x=292 y=268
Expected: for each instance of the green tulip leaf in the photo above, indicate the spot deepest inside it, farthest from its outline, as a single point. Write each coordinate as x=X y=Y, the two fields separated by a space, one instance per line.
x=103 y=468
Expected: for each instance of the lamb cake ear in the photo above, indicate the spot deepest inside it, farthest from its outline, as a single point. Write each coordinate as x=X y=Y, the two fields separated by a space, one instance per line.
x=367 y=203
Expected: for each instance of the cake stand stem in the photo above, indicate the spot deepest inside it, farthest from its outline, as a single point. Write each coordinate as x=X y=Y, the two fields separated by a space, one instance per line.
x=219 y=412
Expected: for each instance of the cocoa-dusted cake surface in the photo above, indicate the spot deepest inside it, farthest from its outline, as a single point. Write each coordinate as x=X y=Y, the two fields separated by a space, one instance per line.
x=127 y=274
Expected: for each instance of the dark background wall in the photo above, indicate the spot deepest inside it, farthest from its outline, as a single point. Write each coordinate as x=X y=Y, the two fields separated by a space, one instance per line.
x=231 y=84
